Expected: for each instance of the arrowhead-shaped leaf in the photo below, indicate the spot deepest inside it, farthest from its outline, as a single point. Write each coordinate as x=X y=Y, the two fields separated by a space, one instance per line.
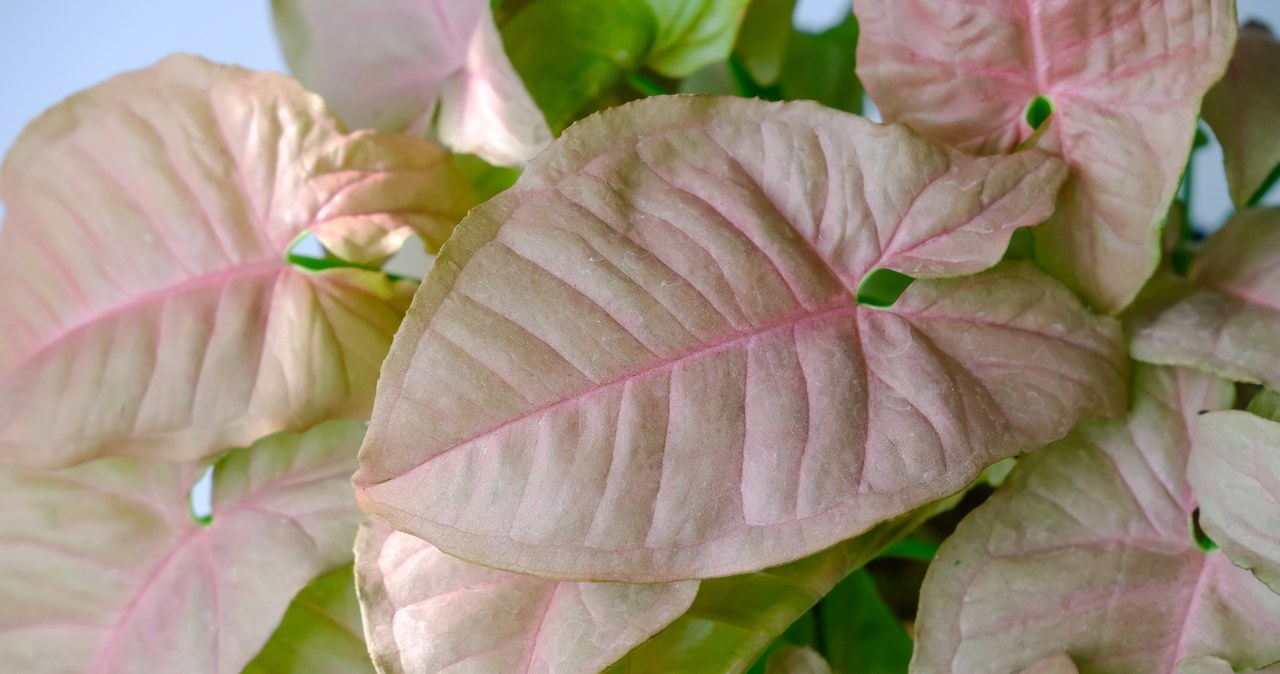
x=320 y=634
x=1226 y=318
x=428 y=612
x=1087 y=550
x=147 y=302
x=1124 y=79
x=645 y=361
x=1242 y=110
x=1235 y=470
x=104 y=570
x=415 y=66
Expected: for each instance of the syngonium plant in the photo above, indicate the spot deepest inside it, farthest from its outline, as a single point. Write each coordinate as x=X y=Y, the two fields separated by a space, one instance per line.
x=694 y=381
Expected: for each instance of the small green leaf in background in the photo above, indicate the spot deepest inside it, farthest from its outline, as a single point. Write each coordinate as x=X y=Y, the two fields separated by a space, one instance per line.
x=820 y=67
x=693 y=33
x=764 y=38
x=571 y=52
x=859 y=634
x=486 y=179
x=321 y=632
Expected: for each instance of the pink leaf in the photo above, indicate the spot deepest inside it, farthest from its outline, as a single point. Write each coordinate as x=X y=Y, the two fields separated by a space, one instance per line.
x=396 y=64
x=1235 y=470
x=1225 y=320
x=645 y=361
x=1087 y=550
x=104 y=570
x=147 y=303
x=1125 y=79
x=428 y=612
x=1241 y=109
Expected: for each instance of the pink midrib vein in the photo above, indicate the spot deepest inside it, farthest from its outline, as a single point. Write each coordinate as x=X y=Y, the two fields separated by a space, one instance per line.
x=842 y=306
x=212 y=279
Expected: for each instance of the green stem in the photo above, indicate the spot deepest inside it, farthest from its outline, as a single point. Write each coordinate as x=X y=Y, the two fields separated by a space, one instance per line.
x=646 y=85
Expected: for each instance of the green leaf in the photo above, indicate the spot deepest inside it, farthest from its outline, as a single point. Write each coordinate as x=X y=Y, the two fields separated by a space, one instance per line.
x=570 y=52
x=820 y=67
x=693 y=33
x=860 y=632
x=764 y=39
x=736 y=620
x=486 y=179
x=320 y=633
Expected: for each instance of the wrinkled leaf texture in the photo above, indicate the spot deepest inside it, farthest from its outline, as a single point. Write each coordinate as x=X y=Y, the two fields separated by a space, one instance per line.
x=104 y=570
x=645 y=363
x=148 y=306
x=1125 y=78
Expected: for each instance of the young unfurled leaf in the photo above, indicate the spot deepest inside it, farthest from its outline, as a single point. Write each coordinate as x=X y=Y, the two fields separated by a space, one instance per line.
x=1225 y=320
x=1087 y=551
x=428 y=68
x=764 y=38
x=1124 y=78
x=658 y=321
x=1244 y=112
x=1235 y=470
x=147 y=302
x=320 y=633
x=428 y=612
x=693 y=33
x=104 y=570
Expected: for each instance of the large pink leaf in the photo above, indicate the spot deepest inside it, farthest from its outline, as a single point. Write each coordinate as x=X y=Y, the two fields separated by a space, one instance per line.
x=398 y=64
x=1125 y=78
x=1242 y=110
x=1235 y=469
x=105 y=571
x=645 y=361
x=423 y=609
x=147 y=303
x=1087 y=550
x=1225 y=320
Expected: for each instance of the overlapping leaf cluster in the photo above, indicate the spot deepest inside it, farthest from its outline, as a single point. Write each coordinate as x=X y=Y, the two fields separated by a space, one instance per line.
x=665 y=393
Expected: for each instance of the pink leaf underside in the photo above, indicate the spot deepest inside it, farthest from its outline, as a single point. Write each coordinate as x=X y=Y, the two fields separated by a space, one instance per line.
x=1241 y=109
x=1125 y=78
x=1227 y=319
x=393 y=64
x=147 y=303
x=645 y=362
x=1235 y=470
x=796 y=660
x=428 y=612
x=1087 y=551
x=105 y=571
